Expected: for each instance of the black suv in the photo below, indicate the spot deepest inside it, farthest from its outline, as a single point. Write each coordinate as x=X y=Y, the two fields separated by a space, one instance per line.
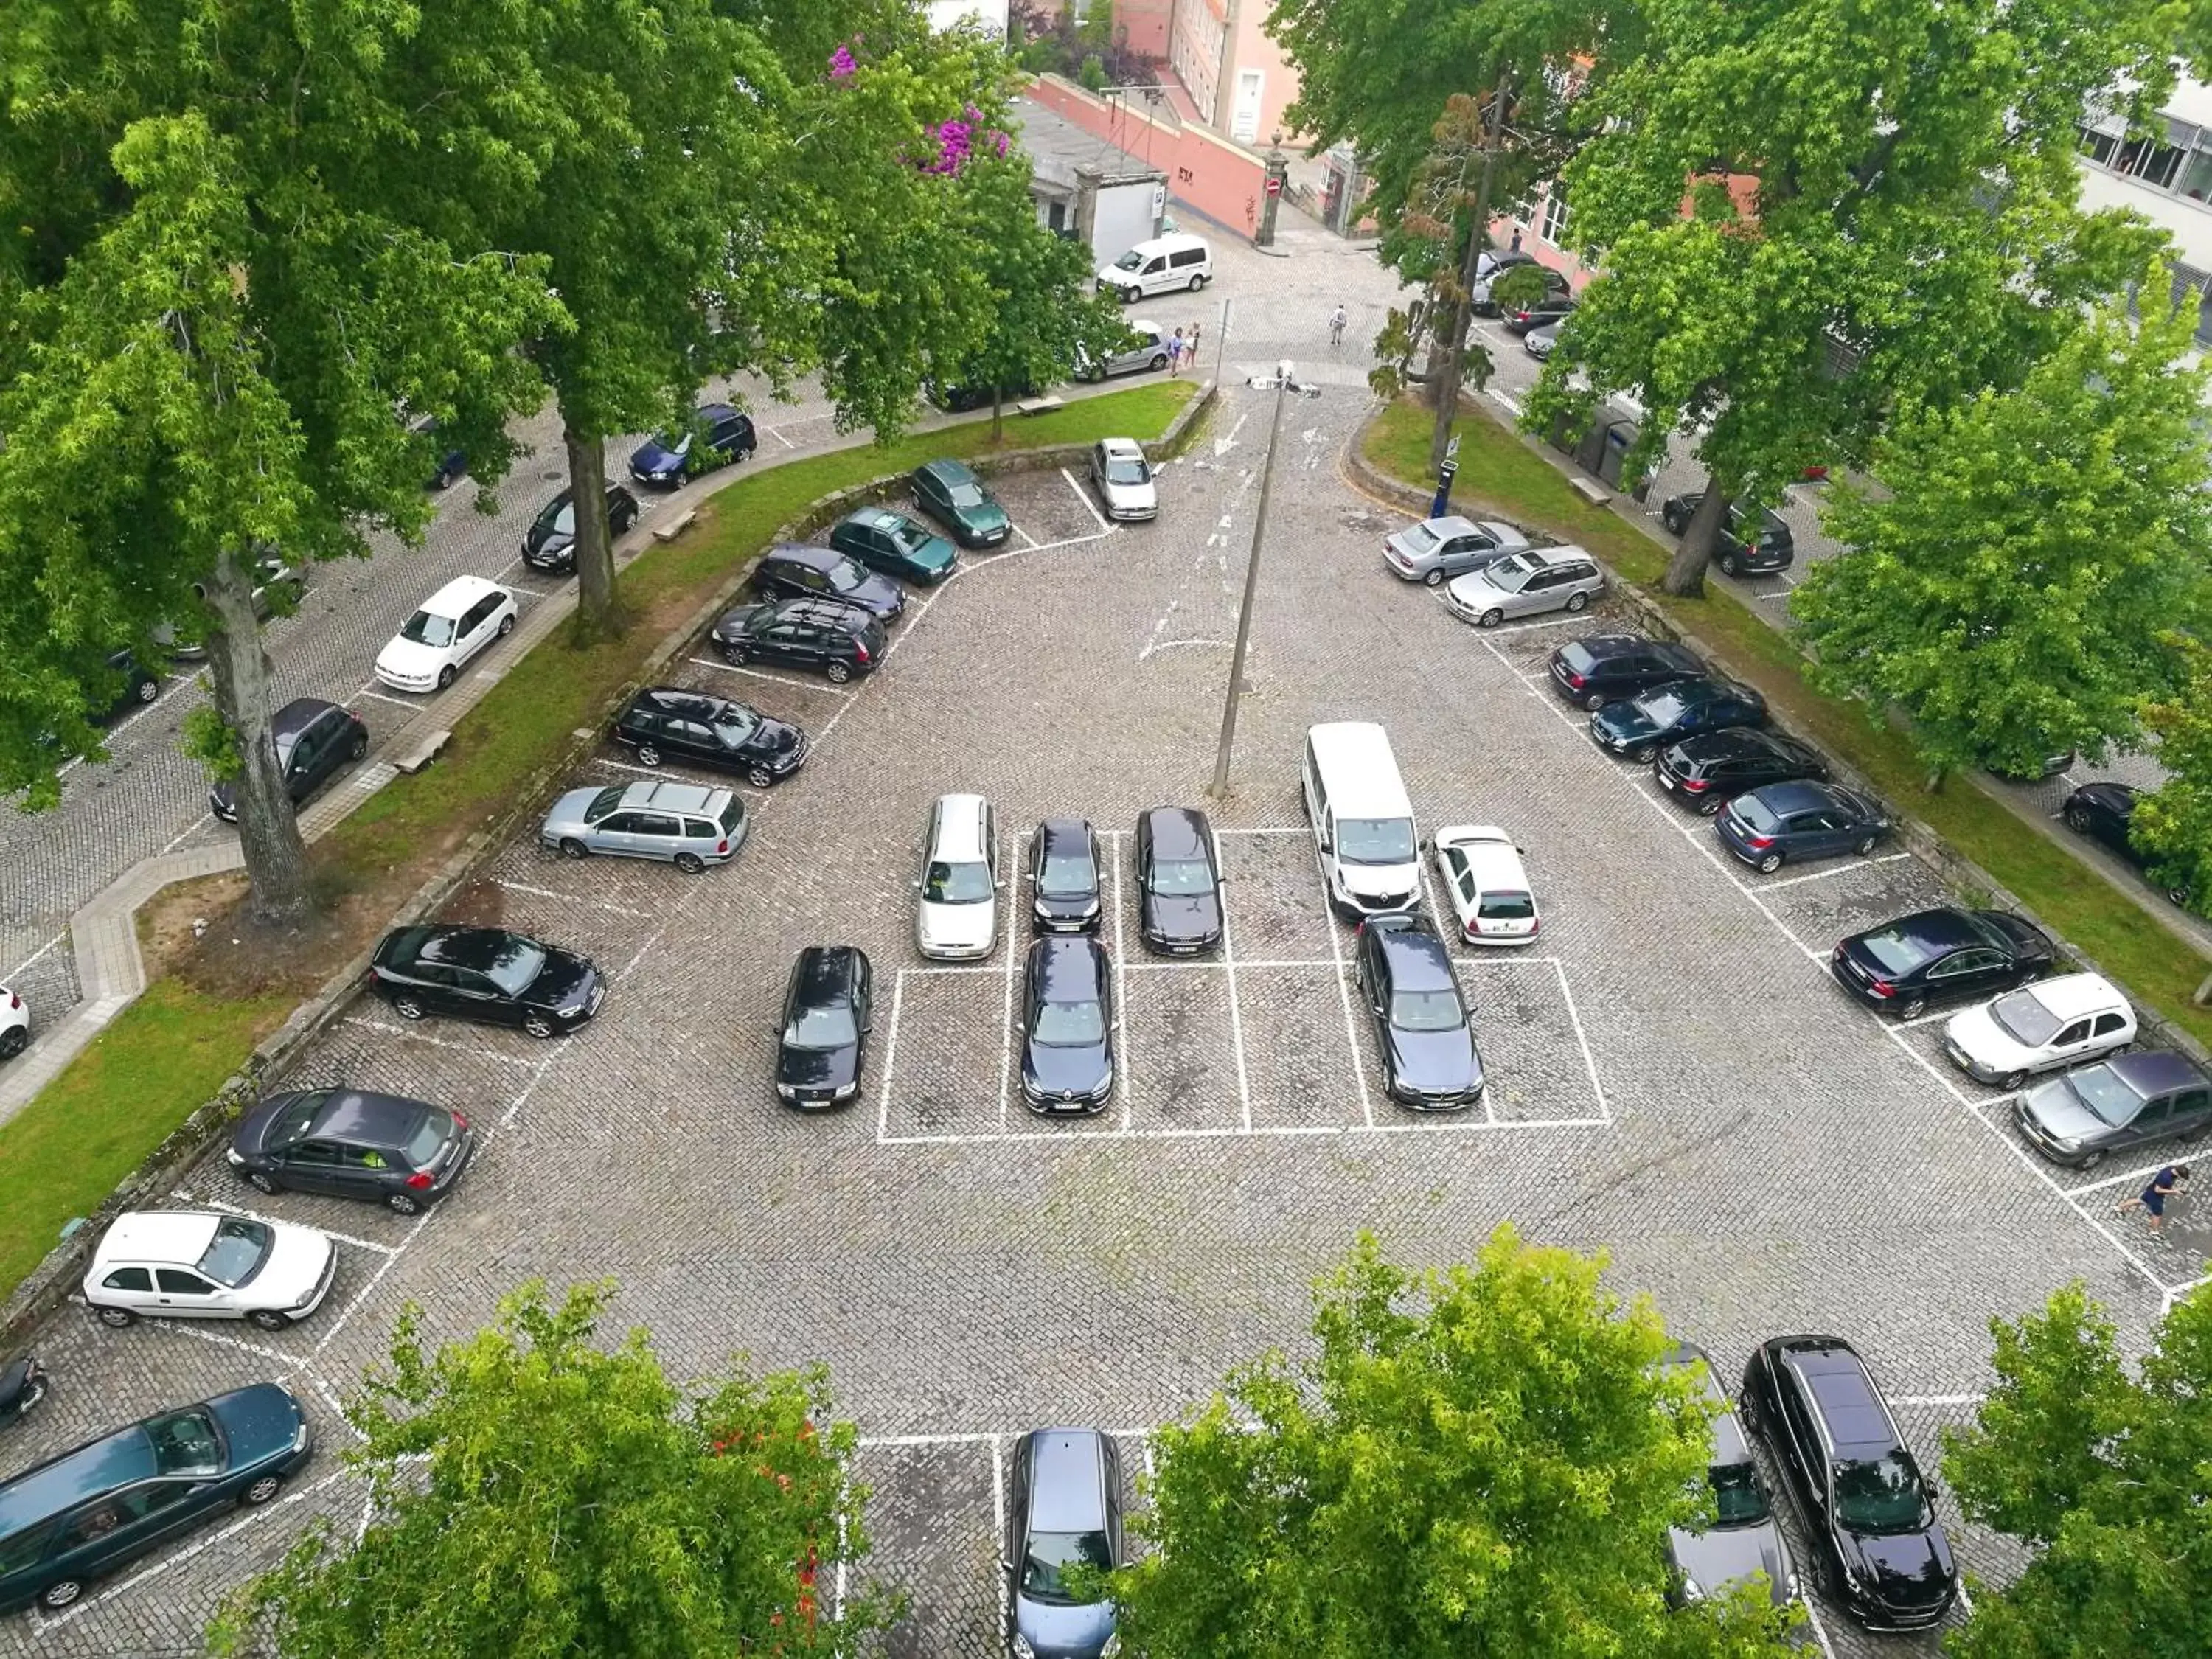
x=1863 y=1501
x=826 y=1014
x=665 y=723
x=313 y=739
x=1710 y=769
x=840 y=640
x=486 y=974
x=1595 y=671
x=792 y=570
x=1405 y=973
x=1737 y=548
x=141 y=685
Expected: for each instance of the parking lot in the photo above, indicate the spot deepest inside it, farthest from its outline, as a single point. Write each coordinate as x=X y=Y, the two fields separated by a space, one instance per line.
x=1674 y=1077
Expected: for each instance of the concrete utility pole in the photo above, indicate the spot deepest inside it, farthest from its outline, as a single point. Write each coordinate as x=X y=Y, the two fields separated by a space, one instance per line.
x=1278 y=170
x=1284 y=384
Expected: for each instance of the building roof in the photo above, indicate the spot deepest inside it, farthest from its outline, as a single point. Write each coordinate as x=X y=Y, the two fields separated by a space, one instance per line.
x=1060 y=150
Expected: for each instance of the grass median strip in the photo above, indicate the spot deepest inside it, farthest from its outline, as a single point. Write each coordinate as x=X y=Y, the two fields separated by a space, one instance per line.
x=167 y=1054
x=1497 y=468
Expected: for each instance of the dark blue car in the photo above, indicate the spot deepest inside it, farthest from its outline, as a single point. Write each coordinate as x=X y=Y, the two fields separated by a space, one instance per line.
x=1065 y=1512
x=719 y=435
x=1067 y=1042
x=1766 y=828
x=87 y=1513
x=1668 y=714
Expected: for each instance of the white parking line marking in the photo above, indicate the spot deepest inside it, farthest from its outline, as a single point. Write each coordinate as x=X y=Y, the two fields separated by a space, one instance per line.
x=1120 y=987
x=777 y=434
x=940 y=968
x=401 y=703
x=515 y=1106
x=1235 y=1015
x=24 y=966
x=436 y=1043
x=890 y=1060
x=1504 y=630
x=1440 y=1123
x=778 y=679
x=1187 y=963
x=327 y=1232
x=190 y=1328
x=1582 y=1038
x=192 y=829
x=1088 y=505
x=1974 y=1399
x=1352 y=1025
x=2143 y=1174
x=567 y=898
x=999 y=1534
x=361 y=1295
x=1839 y=869
x=1025 y=537
x=1006 y=1018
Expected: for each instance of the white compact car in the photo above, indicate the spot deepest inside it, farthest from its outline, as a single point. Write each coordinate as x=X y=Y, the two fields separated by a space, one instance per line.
x=455 y=623
x=206 y=1264
x=1123 y=479
x=2039 y=1028
x=957 y=914
x=1487 y=887
x=15 y=1023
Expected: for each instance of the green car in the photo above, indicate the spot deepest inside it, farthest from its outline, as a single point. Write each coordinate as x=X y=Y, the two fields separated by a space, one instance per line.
x=956 y=498
x=894 y=545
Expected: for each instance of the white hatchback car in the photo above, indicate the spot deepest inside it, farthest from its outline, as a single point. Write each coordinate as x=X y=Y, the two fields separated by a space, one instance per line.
x=2039 y=1028
x=455 y=623
x=1487 y=886
x=15 y=1023
x=956 y=915
x=206 y=1264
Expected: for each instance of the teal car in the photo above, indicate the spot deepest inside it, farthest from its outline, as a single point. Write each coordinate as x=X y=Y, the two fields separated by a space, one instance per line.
x=956 y=498
x=895 y=545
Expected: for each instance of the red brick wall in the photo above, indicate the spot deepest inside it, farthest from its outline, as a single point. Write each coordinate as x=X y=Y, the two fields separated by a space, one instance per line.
x=1222 y=181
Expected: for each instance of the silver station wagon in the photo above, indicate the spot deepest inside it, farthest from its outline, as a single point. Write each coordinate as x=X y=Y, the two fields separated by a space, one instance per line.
x=684 y=825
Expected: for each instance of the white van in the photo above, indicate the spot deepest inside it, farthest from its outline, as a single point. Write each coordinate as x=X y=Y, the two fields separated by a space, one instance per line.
x=1364 y=840
x=1159 y=266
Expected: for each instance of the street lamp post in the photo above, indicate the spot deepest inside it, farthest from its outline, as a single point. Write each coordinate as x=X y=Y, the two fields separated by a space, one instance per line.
x=1283 y=383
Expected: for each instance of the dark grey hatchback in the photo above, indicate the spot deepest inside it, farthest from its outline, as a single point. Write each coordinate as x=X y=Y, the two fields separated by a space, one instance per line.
x=91 y=1510
x=404 y=1154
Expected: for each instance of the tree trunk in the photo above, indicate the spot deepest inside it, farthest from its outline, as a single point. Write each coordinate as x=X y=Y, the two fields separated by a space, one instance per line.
x=268 y=830
x=596 y=617
x=1453 y=368
x=1685 y=571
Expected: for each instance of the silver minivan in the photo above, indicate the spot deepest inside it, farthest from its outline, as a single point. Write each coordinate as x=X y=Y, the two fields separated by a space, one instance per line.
x=1161 y=265
x=685 y=824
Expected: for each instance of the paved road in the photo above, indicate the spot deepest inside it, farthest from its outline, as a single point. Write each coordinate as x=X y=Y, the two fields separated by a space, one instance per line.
x=1676 y=1079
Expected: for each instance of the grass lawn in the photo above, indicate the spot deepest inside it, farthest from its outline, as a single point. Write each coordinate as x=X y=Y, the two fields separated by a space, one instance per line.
x=169 y=1051
x=1497 y=468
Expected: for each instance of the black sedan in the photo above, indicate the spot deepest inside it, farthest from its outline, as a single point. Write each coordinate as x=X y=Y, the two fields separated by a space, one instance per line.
x=1067 y=1026
x=1782 y=822
x=1641 y=727
x=665 y=723
x=1738 y=548
x=485 y=974
x=1178 y=881
x=1940 y=955
x=1606 y=667
x=404 y=1154
x=1064 y=877
x=1864 y=1503
x=792 y=570
x=2103 y=812
x=550 y=544
x=1710 y=769
x=827 y=1008
x=1421 y=1026
x=140 y=686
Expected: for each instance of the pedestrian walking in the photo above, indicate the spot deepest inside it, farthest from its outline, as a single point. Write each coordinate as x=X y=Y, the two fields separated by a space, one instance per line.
x=1337 y=319
x=1190 y=346
x=2153 y=1199
x=1176 y=349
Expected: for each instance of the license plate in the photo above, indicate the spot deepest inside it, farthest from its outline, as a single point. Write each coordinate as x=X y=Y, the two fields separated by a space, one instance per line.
x=1666 y=782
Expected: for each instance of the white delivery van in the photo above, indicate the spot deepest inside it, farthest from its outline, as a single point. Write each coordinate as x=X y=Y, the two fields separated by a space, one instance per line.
x=1159 y=266
x=1364 y=840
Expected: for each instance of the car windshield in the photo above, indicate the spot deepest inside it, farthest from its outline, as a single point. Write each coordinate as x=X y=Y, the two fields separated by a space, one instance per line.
x=1067 y=875
x=517 y=965
x=1123 y=469
x=1661 y=707
x=957 y=884
x=2101 y=1089
x=2023 y=1017
x=1738 y=1498
x=239 y=1248
x=1132 y=260
x=1506 y=907
x=1881 y=1494
x=735 y=726
x=430 y=1133
x=604 y=803
x=558 y=518
x=1181 y=878
x=678 y=446
x=965 y=494
x=424 y=628
x=1894 y=953
x=907 y=536
x=1426 y=1011
x=1049 y=1553
x=830 y=1027
x=1421 y=538
x=1509 y=575
x=845 y=576
x=1375 y=840
x=185 y=1442
x=1068 y=1025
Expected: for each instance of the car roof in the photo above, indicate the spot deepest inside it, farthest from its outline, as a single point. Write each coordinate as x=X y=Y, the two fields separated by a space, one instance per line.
x=116 y=1458
x=674 y=797
x=1177 y=832
x=680 y=700
x=816 y=609
x=1490 y=854
x=820 y=558
x=1070 y=968
x=297 y=715
x=463 y=947
x=2071 y=995
x=1067 y=1481
x=1418 y=959
x=959 y=826
x=718 y=411
x=1052 y=832
x=2154 y=1071
x=878 y=517
x=1798 y=795
x=1858 y=1424
x=458 y=594
x=1562 y=553
x=1121 y=449
x=825 y=973
x=1938 y=929
x=950 y=473
x=2121 y=797
x=1450 y=525
x=354 y=1114
x=158 y=1236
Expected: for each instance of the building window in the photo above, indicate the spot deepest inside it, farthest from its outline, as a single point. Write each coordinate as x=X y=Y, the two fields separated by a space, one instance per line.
x=1555 y=216
x=2100 y=147
x=1056 y=215
x=2146 y=159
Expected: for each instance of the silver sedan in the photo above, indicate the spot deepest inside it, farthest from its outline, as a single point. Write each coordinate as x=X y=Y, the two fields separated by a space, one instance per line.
x=1436 y=549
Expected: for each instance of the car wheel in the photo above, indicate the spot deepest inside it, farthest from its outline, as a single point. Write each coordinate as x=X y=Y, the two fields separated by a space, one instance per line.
x=402 y=1203
x=732 y=654
x=1158 y=362
x=116 y=1319
x=360 y=746
x=538 y=1025
x=1434 y=578
x=1196 y=284
x=1711 y=804
x=1768 y=865
x=648 y=754
x=1865 y=849
x=506 y=626
x=1640 y=753
x=2092 y=1161
x=13 y=1041
x=262 y=1491
x=1577 y=601
x=443 y=481
x=262 y=1182
x=1492 y=617
x=1595 y=701
x=839 y=673
x=445 y=676
x=1728 y=565
x=2077 y=819
x=408 y=1007
x=2012 y=1081
x=690 y=863
x=1912 y=1007
x=2177 y=895
x=573 y=848
x=57 y=1596
x=1673 y=521
x=268 y=1319
x=149 y=689
x=760 y=777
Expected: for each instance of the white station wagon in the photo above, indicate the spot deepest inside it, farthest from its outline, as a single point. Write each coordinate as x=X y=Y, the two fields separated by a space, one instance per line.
x=2039 y=1028
x=1486 y=884
x=209 y=1264
x=455 y=623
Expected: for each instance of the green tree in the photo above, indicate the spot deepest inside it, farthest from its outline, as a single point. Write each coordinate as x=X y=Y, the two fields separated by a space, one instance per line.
x=2108 y=1480
x=2174 y=823
x=1806 y=216
x=1478 y=1462
x=2024 y=554
x=537 y=1495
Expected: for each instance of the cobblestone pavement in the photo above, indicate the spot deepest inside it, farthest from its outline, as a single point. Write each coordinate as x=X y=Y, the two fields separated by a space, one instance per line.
x=1677 y=1080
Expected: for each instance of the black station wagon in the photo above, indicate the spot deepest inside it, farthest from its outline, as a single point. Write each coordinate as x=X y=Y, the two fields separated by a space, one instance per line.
x=666 y=723
x=485 y=974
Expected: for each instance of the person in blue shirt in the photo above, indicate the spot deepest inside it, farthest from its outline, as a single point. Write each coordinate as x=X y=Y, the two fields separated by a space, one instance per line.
x=2163 y=1185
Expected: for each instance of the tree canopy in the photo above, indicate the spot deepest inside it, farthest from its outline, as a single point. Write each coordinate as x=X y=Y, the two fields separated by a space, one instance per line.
x=2174 y=823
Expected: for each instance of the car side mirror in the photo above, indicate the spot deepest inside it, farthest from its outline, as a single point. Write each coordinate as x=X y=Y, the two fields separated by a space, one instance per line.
x=917 y=883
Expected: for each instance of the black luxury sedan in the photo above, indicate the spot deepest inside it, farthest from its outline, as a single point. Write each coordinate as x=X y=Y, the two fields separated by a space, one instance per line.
x=1178 y=881
x=1064 y=877
x=828 y=635
x=794 y=570
x=1865 y=1505
x=665 y=723
x=550 y=544
x=1644 y=724
x=404 y=1154
x=313 y=739
x=2103 y=812
x=1606 y=667
x=485 y=974
x=1940 y=955
x=1429 y=1057
x=1736 y=547
x=1707 y=771
x=1744 y=1539
x=1776 y=823
x=1068 y=1025
x=826 y=1010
